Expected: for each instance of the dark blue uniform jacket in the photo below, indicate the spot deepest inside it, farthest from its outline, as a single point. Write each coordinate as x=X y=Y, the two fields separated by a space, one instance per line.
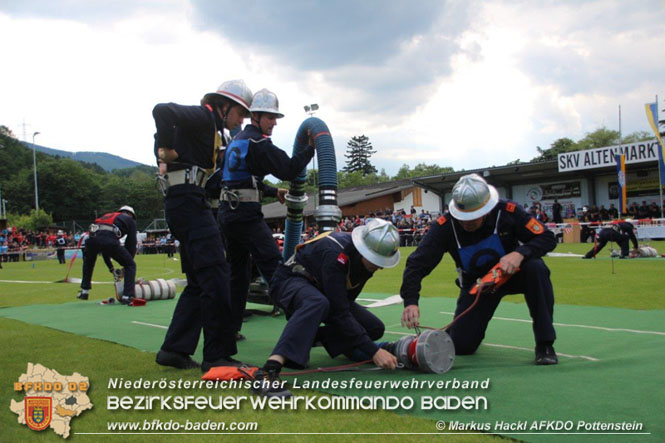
x=517 y=230
x=340 y=276
x=263 y=158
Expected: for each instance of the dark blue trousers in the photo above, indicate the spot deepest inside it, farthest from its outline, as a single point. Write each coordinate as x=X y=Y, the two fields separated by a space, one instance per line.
x=206 y=302
x=533 y=280
x=243 y=239
x=606 y=236
x=306 y=308
x=106 y=242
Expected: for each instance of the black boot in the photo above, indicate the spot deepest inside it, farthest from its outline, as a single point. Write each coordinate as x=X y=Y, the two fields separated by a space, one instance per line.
x=268 y=384
x=175 y=360
x=545 y=355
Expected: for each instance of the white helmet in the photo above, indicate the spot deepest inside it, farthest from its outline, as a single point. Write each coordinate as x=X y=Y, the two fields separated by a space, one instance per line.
x=266 y=101
x=378 y=242
x=235 y=90
x=128 y=209
x=472 y=198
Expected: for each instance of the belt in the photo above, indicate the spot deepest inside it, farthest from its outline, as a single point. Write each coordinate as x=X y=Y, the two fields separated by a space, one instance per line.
x=191 y=176
x=300 y=270
x=236 y=196
x=94 y=228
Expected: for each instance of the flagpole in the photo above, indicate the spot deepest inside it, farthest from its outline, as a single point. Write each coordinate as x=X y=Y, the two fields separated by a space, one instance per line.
x=660 y=186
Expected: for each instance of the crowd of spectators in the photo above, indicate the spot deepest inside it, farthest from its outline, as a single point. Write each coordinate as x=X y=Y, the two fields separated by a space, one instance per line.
x=412 y=225
x=161 y=244
x=14 y=242
x=594 y=213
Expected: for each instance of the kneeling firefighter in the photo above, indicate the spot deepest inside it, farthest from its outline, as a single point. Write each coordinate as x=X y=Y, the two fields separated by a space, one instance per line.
x=319 y=284
x=104 y=238
x=250 y=157
x=480 y=231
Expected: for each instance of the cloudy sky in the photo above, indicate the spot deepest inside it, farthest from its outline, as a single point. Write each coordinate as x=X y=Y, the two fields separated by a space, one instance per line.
x=466 y=84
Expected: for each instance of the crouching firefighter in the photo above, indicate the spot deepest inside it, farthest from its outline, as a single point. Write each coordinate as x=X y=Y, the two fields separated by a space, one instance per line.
x=104 y=238
x=622 y=233
x=250 y=157
x=319 y=284
x=480 y=231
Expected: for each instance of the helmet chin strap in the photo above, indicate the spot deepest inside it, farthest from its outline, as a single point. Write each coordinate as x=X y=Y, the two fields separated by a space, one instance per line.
x=258 y=120
x=222 y=114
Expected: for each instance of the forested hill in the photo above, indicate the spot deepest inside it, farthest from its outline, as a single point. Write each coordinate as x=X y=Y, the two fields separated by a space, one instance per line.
x=108 y=162
x=73 y=190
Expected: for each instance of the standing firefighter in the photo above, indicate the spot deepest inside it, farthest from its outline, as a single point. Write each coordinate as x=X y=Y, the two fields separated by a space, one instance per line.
x=104 y=238
x=186 y=145
x=61 y=245
x=249 y=158
x=480 y=231
x=320 y=284
x=622 y=233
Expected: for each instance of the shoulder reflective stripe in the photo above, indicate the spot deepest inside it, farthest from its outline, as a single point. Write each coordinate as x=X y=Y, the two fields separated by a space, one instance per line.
x=333 y=239
x=455 y=233
x=496 y=227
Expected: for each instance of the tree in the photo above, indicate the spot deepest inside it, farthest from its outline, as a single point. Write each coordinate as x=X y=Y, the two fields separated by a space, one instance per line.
x=421 y=170
x=557 y=147
x=33 y=222
x=637 y=136
x=599 y=138
x=357 y=178
x=359 y=151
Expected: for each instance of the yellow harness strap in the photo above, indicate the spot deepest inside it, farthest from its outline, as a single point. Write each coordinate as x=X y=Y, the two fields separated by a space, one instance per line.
x=218 y=144
x=312 y=240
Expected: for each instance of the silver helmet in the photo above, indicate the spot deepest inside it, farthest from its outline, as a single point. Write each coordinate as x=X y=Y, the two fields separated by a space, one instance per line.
x=472 y=198
x=378 y=242
x=128 y=209
x=266 y=101
x=235 y=90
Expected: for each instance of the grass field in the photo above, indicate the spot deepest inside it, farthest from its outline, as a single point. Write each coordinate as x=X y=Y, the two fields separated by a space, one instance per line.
x=629 y=284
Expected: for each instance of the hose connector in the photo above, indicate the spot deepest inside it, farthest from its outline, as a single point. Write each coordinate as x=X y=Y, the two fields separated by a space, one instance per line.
x=296 y=202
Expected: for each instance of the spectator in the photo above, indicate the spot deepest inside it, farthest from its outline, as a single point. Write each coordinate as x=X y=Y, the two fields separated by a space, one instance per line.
x=556 y=211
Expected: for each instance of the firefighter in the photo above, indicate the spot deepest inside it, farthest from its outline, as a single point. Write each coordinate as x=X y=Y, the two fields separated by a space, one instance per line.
x=187 y=142
x=61 y=244
x=251 y=156
x=622 y=233
x=319 y=284
x=479 y=231
x=104 y=238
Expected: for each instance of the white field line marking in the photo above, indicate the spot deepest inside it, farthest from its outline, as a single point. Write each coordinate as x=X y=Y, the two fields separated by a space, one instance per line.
x=586 y=357
x=601 y=328
x=149 y=324
x=392 y=300
x=49 y=282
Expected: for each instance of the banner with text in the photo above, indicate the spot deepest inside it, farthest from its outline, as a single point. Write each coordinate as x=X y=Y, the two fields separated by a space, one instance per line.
x=601 y=157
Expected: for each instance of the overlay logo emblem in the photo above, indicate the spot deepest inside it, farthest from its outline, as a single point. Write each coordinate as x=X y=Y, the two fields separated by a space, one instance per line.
x=38 y=412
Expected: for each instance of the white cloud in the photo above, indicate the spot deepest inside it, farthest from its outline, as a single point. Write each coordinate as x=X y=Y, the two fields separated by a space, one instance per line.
x=462 y=85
